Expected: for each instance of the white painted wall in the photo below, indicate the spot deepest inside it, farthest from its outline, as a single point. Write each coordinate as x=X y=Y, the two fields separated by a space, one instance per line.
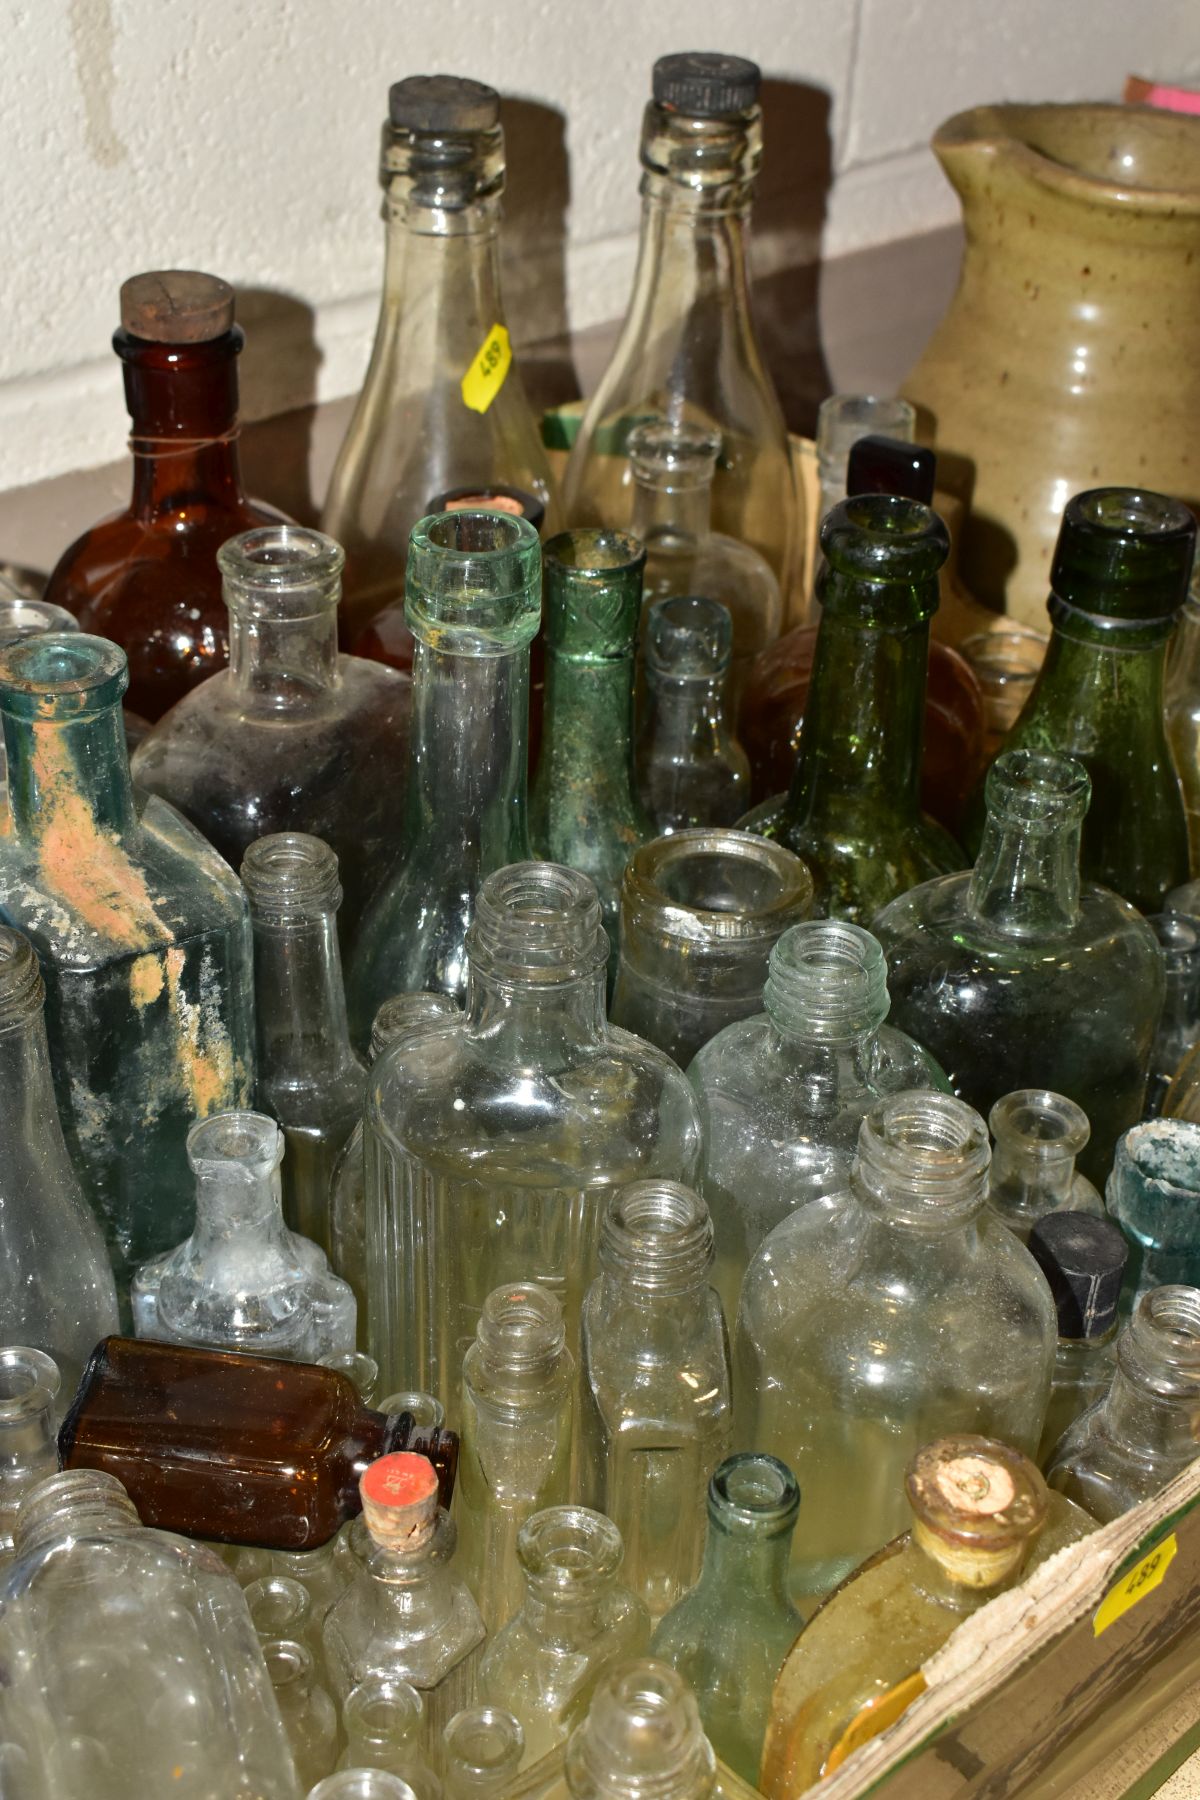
x=242 y=136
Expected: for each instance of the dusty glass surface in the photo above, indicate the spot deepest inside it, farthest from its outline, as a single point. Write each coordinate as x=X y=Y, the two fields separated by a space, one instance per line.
x=1154 y=1195
x=691 y=770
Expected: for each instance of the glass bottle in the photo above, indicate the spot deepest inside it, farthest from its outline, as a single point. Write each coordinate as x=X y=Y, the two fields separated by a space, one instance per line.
x=700 y=911
x=688 y=348
x=674 y=462
x=362 y=1370
x=1036 y=1136
x=641 y=1736
x=56 y=1286
x=576 y=1623
x=728 y=1636
x=656 y=1414
x=442 y=402
x=1178 y=937
x=349 y=1783
x=474 y=603
x=29 y=1386
x=1144 y=1431
x=309 y=1716
x=382 y=1719
x=518 y=1385
x=143 y=936
x=21 y=618
x=584 y=811
x=321 y=1573
x=1118 y=579
x=292 y=736
x=1083 y=1258
x=1016 y=974
x=140 y=1648
x=493 y=1142
x=1182 y=710
x=691 y=770
x=146 y=577
x=308 y=1073
x=281 y=1611
x=1006 y=661
x=235 y=1447
x=783 y=1094
x=853 y=810
x=242 y=1280
x=842 y=419
x=353 y=1545
x=893 y=1313
x=407 y=1613
x=1153 y=1193
x=482 y=1749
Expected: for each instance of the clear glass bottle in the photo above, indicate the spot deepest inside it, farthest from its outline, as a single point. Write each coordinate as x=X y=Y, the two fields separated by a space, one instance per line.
x=493 y=1142
x=241 y=1448
x=309 y=1715
x=1143 y=1432
x=281 y=1611
x=728 y=1636
x=146 y=577
x=442 y=402
x=1083 y=1258
x=56 y=1286
x=474 y=602
x=363 y=1784
x=688 y=348
x=1153 y=1193
x=1036 y=1136
x=517 y=1393
x=292 y=736
x=482 y=1749
x=891 y=1314
x=408 y=1613
x=1006 y=661
x=842 y=419
x=29 y=1387
x=576 y=1622
x=853 y=808
x=321 y=1573
x=1118 y=579
x=362 y=1370
x=1016 y=974
x=700 y=911
x=382 y=1720
x=353 y=1545
x=691 y=770
x=309 y=1076
x=657 y=1406
x=140 y=1648
x=143 y=936
x=1181 y=697
x=674 y=462
x=584 y=811
x=642 y=1736
x=1178 y=937
x=783 y=1094
x=242 y=1280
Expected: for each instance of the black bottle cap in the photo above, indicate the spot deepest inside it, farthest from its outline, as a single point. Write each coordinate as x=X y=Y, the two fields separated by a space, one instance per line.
x=1123 y=553
x=1083 y=1258
x=442 y=103
x=884 y=465
x=705 y=84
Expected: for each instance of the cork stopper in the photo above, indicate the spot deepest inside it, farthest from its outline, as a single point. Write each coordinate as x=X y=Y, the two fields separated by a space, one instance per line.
x=176 y=306
x=443 y=103
x=977 y=1507
x=400 y=1500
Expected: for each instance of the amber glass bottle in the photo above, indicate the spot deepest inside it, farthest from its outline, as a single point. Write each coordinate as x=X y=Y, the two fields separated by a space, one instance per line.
x=147 y=577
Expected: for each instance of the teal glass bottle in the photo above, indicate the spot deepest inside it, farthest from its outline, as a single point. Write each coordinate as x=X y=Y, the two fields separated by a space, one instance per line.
x=730 y=1634
x=584 y=810
x=1154 y=1195
x=472 y=599
x=143 y=935
x=1118 y=580
x=853 y=810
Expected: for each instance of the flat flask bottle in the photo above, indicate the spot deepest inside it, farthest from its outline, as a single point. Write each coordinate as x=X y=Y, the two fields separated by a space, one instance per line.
x=442 y=403
x=1036 y=1137
x=691 y=770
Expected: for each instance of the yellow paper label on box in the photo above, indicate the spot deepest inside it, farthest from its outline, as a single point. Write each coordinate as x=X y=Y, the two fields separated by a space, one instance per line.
x=489 y=365
x=1141 y=1580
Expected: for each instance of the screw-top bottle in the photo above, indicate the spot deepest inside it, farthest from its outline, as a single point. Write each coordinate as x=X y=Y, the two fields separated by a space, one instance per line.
x=29 y=1388
x=1036 y=1136
x=783 y=1094
x=896 y=1311
x=1144 y=1431
x=473 y=600
x=147 y=577
x=382 y=1718
x=1083 y=1258
x=1178 y=937
x=688 y=348
x=482 y=1749
x=1153 y=1193
x=728 y=1636
x=691 y=770
x=656 y=1416
x=442 y=403
x=309 y=1715
x=577 y=1621
x=1118 y=579
x=642 y=1736
x=518 y=1389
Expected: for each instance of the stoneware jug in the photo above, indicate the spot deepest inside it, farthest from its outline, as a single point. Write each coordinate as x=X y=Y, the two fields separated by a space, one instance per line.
x=1070 y=354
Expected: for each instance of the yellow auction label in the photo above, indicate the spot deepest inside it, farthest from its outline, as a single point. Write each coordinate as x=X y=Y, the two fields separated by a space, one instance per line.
x=489 y=365
x=1141 y=1580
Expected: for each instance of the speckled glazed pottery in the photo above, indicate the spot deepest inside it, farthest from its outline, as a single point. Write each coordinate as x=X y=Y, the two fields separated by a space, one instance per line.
x=1070 y=355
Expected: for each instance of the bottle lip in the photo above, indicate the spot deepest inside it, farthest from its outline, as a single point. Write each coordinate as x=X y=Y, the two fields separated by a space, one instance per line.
x=1124 y=555
x=290 y=875
x=925 y=1156
x=289 y=1664
x=689 y=637
x=61 y=676
x=593 y=592
x=29 y=1382
x=485 y=1743
x=281 y=571
x=1160 y=1346
x=827 y=981
x=1037 y=790
x=1162 y=1156
x=665 y=880
x=473 y=582
x=406 y=1012
x=362 y=1784
x=536 y=923
x=886 y=542
x=377 y=1703
x=279 y=1606
x=235 y=1145
x=754 y=1494
x=21 y=617
x=521 y=1328
x=975 y=1503
x=673 y=456
x=657 y=1236
x=569 y=1551
x=1043 y=1126
x=642 y=1735
x=22 y=991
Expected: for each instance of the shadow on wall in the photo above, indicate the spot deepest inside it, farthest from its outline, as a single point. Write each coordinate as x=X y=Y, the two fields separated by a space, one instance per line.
x=537 y=197
x=789 y=220
x=278 y=370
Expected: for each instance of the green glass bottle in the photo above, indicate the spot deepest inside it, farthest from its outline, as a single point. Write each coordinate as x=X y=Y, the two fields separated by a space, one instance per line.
x=853 y=810
x=1118 y=580
x=584 y=812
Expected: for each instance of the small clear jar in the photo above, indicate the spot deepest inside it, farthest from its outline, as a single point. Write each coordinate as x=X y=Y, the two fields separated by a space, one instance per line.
x=29 y=1384
x=482 y=1748
x=382 y=1718
x=700 y=911
x=1154 y=1195
x=1083 y=1258
x=692 y=772
x=309 y=1715
x=1037 y=1136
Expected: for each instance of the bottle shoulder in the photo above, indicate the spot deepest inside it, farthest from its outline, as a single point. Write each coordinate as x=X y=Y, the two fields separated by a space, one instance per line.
x=934 y=924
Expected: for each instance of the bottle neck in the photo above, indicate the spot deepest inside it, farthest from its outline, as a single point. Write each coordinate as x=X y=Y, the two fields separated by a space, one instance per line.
x=79 y=1503
x=683 y=707
x=234 y=1209
x=1098 y=684
x=31 y=1142
x=1027 y=1178
x=64 y=774
x=588 y=722
x=288 y=660
x=467 y=769
x=440 y=265
x=545 y=1027
x=1148 y=1422
x=833 y=1071
x=692 y=265
x=300 y=1001
x=1026 y=880
x=746 y=1565
x=569 y=1620
x=682 y=514
x=183 y=404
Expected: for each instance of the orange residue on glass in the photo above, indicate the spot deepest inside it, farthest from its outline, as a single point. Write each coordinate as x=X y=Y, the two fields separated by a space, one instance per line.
x=146 y=980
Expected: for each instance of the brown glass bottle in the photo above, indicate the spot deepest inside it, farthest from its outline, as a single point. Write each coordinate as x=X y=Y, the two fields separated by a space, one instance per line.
x=243 y=1449
x=147 y=577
